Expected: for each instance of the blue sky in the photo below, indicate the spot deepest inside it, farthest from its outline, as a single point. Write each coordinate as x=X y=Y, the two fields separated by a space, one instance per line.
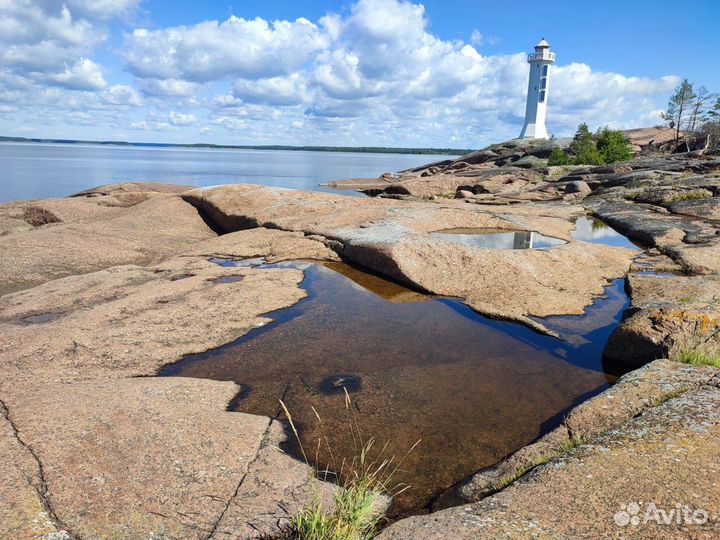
x=367 y=72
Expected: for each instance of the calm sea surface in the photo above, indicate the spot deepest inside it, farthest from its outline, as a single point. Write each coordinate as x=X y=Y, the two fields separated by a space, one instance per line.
x=34 y=170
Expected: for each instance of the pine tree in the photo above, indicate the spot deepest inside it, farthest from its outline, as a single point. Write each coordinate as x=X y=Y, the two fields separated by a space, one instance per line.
x=711 y=128
x=613 y=146
x=699 y=112
x=678 y=106
x=714 y=113
x=583 y=147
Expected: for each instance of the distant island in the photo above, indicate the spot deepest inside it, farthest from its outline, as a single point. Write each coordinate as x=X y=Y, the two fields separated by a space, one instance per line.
x=360 y=149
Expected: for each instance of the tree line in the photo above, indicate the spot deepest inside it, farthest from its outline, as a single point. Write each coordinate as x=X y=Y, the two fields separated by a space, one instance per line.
x=693 y=113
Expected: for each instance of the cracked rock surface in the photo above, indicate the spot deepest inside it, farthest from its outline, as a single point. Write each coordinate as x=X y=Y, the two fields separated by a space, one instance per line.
x=99 y=291
x=93 y=446
x=129 y=321
x=150 y=456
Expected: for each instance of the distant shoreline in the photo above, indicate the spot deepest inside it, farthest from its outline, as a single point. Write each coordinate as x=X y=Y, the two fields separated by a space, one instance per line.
x=358 y=149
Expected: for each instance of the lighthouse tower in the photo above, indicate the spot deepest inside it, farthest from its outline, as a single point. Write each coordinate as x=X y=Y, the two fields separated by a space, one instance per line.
x=537 y=95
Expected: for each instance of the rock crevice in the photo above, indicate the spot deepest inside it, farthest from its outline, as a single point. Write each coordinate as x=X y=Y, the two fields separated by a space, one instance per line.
x=40 y=486
x=262 y=443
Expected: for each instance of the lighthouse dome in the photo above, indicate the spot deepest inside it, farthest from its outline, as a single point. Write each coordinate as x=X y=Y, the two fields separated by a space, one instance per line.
x=542 y=44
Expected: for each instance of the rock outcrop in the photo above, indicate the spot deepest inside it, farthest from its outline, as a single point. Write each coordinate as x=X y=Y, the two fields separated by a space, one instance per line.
x=88 y=236
x=668 y=203
x=393 y=238
x=93 y=447
x=667 y=313
x=122 y=322
x=133 y=459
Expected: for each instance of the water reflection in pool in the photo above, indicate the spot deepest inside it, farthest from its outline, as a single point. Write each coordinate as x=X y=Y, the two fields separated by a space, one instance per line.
x=589 y=229
x=418 y=367
x=498 y=238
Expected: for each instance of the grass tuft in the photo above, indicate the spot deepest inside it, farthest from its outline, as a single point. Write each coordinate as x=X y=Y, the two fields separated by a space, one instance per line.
x=689 y=196
x=354 y=515
x=357 y=508
x=698 y=356
x=569 y=444
x=700 y=345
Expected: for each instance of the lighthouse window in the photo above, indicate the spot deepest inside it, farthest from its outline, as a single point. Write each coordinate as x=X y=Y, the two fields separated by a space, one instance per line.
x=544 y=70
x=542 y=96
x=543 y=83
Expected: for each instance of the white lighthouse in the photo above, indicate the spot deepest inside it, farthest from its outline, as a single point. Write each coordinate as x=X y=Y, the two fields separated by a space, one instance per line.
x=538 y=88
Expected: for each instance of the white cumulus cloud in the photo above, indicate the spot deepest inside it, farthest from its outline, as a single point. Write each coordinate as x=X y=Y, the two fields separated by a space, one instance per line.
x=84 y=75
x=214 y=50
x=181 y=119
x=279 y=91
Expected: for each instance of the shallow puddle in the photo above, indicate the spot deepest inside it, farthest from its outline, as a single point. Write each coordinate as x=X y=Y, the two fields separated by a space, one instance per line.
x=416 y=367
x=498 y=238
x=228 y=279
x=41 y=318
x=589 y=229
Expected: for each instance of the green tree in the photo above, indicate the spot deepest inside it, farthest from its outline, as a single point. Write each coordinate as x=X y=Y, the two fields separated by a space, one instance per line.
x=559 y=157
x=584 y=148
x=613 y=145
x=711 y=128
x=680 y=102
x=699 y=109
x=714 y=113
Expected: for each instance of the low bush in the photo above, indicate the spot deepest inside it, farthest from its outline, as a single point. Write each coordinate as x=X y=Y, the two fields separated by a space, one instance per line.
x=605 y=146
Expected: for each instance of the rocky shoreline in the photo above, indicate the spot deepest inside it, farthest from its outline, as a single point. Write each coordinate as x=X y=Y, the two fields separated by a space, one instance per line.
x=103 y=289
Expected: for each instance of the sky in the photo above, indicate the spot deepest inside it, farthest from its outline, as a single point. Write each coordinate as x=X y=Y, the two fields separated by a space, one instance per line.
x=357 y=73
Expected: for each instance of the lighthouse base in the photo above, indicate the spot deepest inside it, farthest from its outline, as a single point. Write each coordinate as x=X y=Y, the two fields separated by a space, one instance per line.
x=534 y=131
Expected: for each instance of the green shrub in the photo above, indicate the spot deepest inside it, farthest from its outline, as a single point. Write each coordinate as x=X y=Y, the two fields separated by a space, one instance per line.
x=559 y=157
x=606 y=146
x=589 y=156
x=613 y=145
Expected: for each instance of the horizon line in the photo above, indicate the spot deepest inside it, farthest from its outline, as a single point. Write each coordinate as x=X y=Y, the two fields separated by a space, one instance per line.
x=312 y=148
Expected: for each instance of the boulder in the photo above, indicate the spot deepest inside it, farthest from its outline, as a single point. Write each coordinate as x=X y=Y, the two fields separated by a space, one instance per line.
x=392 y=238
x=577 y=186
x=530 y=162
x=666 y=310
